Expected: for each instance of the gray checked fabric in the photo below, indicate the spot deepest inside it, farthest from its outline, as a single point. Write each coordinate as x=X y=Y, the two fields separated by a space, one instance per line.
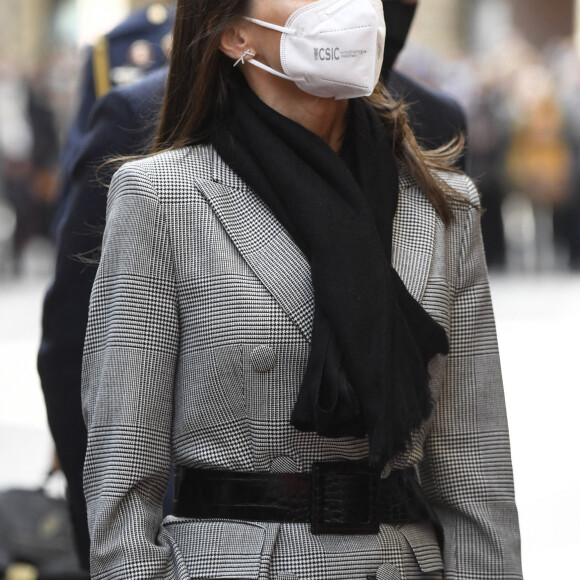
x=198 y=338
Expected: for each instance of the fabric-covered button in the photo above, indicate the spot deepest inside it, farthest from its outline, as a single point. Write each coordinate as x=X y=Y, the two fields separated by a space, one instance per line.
x=388 y=572
x=263 y=359
x=283 y=465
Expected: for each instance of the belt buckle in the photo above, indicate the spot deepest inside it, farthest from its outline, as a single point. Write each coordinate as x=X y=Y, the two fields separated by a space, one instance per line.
x=352 y=476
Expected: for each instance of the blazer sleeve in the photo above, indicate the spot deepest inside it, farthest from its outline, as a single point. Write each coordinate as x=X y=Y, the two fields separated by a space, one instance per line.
x=467 y=471
x=114 y=129
x=127 y=386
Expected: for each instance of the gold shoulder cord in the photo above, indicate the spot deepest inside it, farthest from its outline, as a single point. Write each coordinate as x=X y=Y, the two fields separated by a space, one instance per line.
x=101 y=67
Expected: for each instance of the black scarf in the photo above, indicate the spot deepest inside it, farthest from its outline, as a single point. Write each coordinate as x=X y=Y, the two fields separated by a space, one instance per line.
x=371 y=340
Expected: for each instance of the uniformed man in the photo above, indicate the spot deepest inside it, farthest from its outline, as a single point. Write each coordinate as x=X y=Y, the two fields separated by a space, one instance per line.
x=137 y=46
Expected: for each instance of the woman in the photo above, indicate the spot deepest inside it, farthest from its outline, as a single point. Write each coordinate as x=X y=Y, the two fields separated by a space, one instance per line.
x=249 y=326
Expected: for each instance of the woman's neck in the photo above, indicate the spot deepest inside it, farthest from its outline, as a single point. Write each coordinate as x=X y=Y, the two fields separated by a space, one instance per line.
x=324 y=117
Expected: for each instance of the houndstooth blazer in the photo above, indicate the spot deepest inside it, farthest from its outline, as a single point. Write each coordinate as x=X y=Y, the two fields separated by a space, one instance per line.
x=198 y=337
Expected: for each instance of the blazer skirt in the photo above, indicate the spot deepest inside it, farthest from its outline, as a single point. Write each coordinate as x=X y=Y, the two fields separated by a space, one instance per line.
x=198 y=336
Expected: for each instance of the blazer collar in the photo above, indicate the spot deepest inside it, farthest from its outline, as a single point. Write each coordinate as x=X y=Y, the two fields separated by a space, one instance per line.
x=282 y=267
x=413 y=236
x=263 y=242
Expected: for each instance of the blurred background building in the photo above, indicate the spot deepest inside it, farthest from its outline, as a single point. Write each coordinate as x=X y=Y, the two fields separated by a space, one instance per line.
x=451 y=25
x=29 y=27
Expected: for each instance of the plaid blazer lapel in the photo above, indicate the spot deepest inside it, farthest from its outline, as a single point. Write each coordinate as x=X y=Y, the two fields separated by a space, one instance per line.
x=271 y=253
x=263 y=243
x=413 y=236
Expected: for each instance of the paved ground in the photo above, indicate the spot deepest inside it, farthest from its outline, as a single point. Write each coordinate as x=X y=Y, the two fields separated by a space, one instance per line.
x=25 y=446
x=538 y=326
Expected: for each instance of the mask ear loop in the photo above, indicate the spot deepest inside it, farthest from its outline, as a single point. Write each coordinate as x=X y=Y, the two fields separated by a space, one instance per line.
x=259 y=64
x=242 y=58
x=273 y=71
x=271 y=26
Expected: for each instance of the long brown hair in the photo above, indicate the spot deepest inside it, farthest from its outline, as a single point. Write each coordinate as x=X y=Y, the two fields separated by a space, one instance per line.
x=196 y=98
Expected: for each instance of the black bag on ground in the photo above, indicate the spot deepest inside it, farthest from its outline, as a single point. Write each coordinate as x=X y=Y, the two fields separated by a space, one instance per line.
x=35 y=529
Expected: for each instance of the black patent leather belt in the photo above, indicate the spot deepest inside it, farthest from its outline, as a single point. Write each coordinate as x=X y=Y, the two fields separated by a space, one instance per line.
x=335 y=498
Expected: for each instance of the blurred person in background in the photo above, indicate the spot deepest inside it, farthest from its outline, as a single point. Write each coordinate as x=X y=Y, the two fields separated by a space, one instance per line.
x=539 y=162
x=15 y=153
x=46 y=146
x=563 y=63
x=28 y=152
x=122 y=123
x=487 y=142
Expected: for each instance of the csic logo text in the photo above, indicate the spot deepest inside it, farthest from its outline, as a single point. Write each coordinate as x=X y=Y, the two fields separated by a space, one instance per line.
x=327 y=54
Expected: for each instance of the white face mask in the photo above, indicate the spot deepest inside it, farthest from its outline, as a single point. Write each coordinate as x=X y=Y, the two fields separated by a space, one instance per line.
x=332 y=48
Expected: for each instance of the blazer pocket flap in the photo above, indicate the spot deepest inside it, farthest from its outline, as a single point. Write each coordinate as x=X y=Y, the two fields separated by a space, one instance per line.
x=218 y=549
x=423 y=541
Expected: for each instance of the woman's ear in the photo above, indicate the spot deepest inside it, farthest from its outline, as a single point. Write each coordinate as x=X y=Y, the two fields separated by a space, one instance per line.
x=235 y=41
